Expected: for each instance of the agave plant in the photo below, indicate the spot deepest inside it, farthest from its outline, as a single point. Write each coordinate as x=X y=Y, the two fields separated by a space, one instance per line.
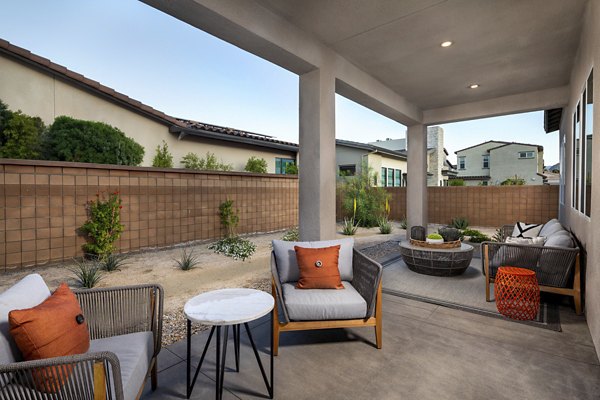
x=349 y=226
x=87 y=274
x=188 y=260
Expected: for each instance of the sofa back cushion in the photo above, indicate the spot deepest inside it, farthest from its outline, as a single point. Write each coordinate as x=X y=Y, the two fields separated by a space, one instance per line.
x=551 y=227
x=287 y=265
x=560 y=239
x=28 y=292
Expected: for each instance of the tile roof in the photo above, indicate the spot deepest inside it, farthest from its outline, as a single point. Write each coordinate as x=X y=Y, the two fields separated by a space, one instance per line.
x=52 y=68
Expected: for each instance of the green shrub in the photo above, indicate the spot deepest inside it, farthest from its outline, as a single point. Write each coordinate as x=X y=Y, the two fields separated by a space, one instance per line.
x=20 y=135
x=475 y=236
x=229 y=217
x=385 y=226
x=291 y=169
x=75 y=140
x=163 y=158
x=293 y=235
x=5 y=115
x=235 y=247
x=209 y=163
x=103 y=227
x=256 y=165
x=187 y=260
x=87 y=274
x=514 y=181
x=459 y=223
x=370 y=200
x=456 y=182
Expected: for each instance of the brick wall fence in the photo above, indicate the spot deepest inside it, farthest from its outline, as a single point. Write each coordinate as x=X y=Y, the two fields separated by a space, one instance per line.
x=491 y=206
x=43 y=203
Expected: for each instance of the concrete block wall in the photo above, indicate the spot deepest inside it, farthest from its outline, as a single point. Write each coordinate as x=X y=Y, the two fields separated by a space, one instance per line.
x=43 y=204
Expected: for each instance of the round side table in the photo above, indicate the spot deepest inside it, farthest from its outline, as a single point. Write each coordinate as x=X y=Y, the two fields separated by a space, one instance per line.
x=517 y=293
x=221 y=309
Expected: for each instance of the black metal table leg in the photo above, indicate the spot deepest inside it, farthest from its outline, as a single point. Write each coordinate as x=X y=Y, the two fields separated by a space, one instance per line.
x=236 y=339
x=190 y=385
x=262 y=369
x=221 y=368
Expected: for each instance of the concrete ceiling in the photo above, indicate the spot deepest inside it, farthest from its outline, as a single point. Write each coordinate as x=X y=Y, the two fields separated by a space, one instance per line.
x=506 y=46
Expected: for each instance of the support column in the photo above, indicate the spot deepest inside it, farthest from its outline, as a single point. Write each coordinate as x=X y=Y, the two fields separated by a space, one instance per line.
x=416 y=190
x=317 y=155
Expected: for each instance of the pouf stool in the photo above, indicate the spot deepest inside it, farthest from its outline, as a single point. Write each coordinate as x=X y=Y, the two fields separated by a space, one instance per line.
x=517 y=293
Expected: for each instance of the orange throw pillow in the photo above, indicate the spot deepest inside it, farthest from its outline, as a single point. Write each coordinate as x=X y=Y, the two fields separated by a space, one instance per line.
x=54 y=328
x=318 y=268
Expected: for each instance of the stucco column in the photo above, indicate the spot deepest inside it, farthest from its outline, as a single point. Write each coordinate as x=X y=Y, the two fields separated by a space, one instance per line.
x=416 y=190
x=317 y=155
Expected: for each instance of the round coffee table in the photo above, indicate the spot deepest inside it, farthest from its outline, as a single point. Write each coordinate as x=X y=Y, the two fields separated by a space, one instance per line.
x=222 y=308
x=437 y=262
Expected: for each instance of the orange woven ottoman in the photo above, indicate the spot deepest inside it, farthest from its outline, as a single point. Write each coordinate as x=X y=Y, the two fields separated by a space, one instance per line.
x=517 y=293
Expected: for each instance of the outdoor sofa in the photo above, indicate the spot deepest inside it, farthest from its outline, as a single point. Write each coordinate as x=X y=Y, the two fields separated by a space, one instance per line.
x=358 y=305
x=125 y=327
x=556 y=262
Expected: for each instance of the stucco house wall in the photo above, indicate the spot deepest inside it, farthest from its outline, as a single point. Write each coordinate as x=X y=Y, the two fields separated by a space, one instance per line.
x=377 y=161
x=36 y=92
x=349 y=156
x=474 y=159
x=505 y=163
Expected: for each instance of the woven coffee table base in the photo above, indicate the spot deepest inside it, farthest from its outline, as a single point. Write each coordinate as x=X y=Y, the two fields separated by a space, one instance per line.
x=517 y=293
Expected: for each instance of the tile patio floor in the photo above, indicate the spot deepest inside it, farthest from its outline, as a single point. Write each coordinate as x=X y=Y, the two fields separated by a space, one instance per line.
x=429 y=352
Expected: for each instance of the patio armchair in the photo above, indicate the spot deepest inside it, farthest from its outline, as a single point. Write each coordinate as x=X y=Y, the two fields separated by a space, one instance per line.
x=556 y=266
x=125 y=328
x=357 y=305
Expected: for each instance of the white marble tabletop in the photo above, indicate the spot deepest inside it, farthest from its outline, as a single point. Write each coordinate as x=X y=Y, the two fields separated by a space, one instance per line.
x=228 y=306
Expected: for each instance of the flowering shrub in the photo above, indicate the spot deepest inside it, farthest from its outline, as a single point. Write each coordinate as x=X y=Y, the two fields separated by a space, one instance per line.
x=235 y=247
x=103 y=227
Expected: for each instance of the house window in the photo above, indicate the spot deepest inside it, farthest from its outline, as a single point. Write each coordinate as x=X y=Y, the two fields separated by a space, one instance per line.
x=461 y=162
x=588 y=118
x=526 y=154
x=282 y=163
x=398 y=178
x=390 y=177
x=383 y=176
x=348 y=170
x=486 y=161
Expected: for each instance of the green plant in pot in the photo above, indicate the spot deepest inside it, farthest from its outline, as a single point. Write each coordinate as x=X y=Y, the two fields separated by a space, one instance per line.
x=434 y=238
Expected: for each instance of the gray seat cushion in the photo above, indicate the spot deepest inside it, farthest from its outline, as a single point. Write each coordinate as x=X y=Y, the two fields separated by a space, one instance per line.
x=323 y=304
x=134 y=352
x=28 y=292
x=287 y=266
x=551 y=227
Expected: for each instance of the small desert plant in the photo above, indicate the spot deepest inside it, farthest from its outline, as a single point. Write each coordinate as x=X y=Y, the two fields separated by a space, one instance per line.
x=385 y=226
x=235 y=247
x=87 y=273
x=403 y=223
x=293 y=235
x=349 y=227
x=499 y=236
x=187 y=260
x=475 y=236
x=434 y=236
x=450 y=234
x=460 y=223
x=103 y=227
x=229 y=217
x=113 y=262
x=256 y=165
x=163 y=158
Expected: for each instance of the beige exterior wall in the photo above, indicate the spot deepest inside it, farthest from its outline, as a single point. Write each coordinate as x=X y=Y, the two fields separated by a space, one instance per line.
x=505 y=163
x=474 y=160
x=352 y=156
x=378 y=161
x=585 y=228
x=39 y=94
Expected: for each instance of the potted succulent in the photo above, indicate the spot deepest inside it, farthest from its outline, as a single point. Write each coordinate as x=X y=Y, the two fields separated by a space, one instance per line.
x=434 y=238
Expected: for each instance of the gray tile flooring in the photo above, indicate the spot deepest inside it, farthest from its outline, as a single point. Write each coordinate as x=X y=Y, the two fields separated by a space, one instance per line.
x=429 y=352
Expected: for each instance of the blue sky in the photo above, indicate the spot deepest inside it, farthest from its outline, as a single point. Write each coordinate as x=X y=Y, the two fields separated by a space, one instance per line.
x=185 y=72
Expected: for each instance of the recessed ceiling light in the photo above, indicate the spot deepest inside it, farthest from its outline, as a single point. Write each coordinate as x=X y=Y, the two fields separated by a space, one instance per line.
x=446 y=44
x=474 y=86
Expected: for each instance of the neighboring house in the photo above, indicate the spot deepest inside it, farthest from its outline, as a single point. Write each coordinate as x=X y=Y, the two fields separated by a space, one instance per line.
x=389 y=165
x=492 y=162
x=439 y=169
x=39 y=87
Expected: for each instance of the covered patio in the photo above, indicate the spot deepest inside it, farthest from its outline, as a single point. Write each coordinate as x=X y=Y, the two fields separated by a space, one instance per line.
x=505 y=58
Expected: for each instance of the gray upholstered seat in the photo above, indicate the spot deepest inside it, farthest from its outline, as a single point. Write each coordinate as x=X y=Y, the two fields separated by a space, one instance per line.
x=323 y=304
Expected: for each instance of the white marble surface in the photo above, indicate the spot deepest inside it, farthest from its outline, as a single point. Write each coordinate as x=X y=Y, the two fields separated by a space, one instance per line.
x=228 y=306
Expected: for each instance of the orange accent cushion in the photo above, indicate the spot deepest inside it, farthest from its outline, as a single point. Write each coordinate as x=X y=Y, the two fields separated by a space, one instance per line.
x=54 y=328
x=318 y=268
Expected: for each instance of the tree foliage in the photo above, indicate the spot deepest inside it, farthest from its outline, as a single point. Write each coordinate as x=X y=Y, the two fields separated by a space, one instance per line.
x=163 y=158
x=20 y=134
x=70 y=139
x=209 y=163
x=370 y=199
x=291 y=169
x=256 y=165
x=456 y=182
x=103 y=228
x=514 y=181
